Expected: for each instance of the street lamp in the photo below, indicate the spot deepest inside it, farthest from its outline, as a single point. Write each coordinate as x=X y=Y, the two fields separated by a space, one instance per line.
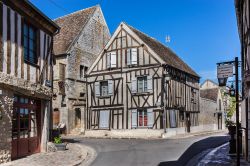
x=168 y=77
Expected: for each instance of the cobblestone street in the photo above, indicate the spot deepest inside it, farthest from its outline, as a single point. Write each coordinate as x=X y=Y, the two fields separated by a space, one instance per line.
x=75 y=155
x=219 y=157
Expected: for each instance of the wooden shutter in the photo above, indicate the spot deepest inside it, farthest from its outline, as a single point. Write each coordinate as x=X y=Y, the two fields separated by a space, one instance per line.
x=104 y=119
x=108 y=60
x=172 y=118
x=149 y=83
x=150 y=117
x=113 y=59
x=128 y=56
x=110 y=87
x=134 y=85
x=97 y=89
x=134 y=56
x=134 y=118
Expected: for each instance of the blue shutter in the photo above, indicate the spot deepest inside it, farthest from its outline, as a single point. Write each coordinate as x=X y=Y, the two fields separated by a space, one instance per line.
x=134 y=56
x=149 y=83
x=150 y=117
x=134 y=85
x=128 y=56
x=134 y=118
x=104 y=119
x=110 y=87
x=97 y=89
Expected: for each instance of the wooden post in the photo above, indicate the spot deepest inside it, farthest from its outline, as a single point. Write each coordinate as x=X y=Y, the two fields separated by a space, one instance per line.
x=237 y=111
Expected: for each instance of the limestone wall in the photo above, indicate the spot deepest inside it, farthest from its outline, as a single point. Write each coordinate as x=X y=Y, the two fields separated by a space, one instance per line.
x=6 y=109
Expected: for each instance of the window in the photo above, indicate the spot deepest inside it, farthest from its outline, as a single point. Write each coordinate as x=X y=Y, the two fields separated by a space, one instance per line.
x=83 y=70
x=29 y=44
x=132 y=56
x=62 y=71
x=142 y=118
x=104 y=88
x=111 y=59
x=142 y=84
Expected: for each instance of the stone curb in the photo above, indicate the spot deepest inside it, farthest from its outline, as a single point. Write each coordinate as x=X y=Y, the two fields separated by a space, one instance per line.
x=90 y=156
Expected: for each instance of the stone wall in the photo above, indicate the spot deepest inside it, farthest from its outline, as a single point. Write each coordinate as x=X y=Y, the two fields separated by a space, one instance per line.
x=6 y=109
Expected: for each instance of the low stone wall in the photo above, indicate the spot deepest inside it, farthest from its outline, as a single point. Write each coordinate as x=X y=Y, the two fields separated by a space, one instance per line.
x=147 y=133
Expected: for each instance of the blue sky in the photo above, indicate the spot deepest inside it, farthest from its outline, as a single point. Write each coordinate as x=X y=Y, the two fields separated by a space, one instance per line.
x=203 y=32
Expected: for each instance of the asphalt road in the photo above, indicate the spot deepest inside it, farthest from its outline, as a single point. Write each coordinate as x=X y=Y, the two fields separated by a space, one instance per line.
x=135 y=152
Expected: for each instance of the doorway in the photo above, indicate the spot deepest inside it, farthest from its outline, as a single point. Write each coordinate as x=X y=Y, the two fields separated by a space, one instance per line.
x=77 y=117
x=26 y=127
x=188 y=122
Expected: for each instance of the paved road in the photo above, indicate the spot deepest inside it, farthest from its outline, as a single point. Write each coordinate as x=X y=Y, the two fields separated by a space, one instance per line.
x=134 y=152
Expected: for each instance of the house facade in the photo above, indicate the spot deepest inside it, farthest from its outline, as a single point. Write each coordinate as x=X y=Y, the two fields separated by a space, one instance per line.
x=136 y=85
x=82 y=36
x=243 y=19
x=26 y=37
x=213 y=106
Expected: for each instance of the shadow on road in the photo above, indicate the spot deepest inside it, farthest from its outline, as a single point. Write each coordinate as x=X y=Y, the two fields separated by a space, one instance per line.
x=195 y=149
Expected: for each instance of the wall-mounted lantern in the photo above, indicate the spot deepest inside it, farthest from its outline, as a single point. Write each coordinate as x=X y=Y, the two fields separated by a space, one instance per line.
x=222 y=81
x=168 y=77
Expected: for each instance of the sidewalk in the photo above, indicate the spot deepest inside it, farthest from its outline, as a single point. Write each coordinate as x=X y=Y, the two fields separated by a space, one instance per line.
x=219 y=157
x=74 y=155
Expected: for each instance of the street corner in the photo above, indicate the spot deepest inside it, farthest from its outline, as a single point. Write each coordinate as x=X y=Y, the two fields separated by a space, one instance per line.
x=75 y=154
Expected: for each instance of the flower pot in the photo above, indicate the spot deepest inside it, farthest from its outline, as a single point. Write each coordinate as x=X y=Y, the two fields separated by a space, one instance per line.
x=61 y=147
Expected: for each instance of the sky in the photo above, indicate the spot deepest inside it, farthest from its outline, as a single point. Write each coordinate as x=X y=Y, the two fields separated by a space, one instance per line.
x=202 y=32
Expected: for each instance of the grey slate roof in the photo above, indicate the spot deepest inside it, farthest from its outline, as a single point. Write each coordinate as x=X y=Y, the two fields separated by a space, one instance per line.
x=71 y=25
x=164 y=52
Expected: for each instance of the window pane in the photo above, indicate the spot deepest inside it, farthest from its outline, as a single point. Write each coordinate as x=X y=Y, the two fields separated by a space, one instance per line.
x=104 y=88
x=31 y=45
x=25 y=30
x=31 y=33
x=145 y=118
x=32 y=57
x=145 y=84
x=140 y=84
x=25 y=43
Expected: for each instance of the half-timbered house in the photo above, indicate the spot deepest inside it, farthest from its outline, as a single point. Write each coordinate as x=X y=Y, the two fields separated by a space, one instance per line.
x=82 y=37
x=26 y=37
x=138 y=83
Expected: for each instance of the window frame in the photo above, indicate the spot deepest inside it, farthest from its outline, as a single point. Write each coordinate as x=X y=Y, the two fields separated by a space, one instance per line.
x=144 y=84
x=144 y=114
x=101 y=89
x=28 y=58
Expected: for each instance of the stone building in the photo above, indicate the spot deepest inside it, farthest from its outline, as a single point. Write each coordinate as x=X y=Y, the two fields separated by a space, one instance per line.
x=212 y=106
x=26 y=37
x=82 y=36
x=137 y=87
x=243 y=19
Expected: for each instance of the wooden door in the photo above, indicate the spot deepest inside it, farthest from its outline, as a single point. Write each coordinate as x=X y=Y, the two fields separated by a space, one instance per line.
x=104 y=119
x=26 y=127
x=188 y=122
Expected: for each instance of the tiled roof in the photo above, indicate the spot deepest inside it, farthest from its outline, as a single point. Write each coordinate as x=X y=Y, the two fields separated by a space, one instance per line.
x=71 y=25
x=211 y=94
x=164 y=52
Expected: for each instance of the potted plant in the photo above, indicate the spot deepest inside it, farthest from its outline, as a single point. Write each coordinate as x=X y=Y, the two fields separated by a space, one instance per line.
x=60 y=146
